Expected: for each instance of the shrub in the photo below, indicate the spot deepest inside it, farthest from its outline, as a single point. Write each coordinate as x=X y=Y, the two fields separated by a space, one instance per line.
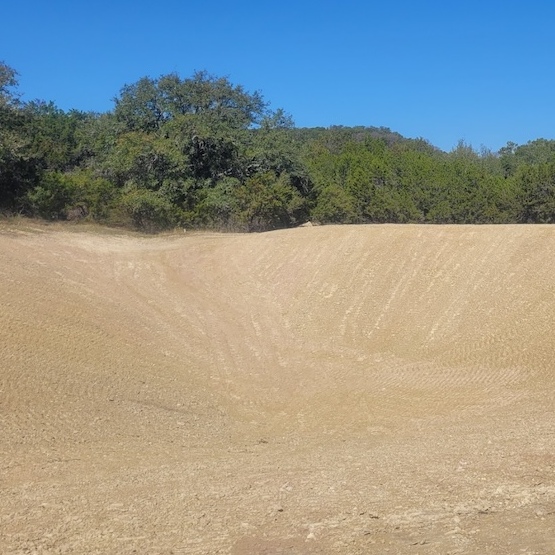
x=147 y=210
x=52 y=197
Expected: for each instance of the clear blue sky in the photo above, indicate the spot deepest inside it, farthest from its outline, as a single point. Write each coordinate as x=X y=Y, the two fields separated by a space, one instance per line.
x=481 y=71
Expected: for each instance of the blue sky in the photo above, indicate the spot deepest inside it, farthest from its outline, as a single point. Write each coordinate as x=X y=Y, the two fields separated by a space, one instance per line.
x=480 y=71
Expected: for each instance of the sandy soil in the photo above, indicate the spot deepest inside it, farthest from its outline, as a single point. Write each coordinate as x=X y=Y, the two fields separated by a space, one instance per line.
x=376 y=389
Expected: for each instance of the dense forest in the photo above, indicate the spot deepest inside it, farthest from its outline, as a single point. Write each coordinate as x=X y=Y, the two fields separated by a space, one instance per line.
x=203 y=152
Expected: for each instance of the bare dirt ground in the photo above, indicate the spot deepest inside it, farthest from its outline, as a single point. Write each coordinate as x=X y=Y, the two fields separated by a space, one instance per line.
x=376 y=389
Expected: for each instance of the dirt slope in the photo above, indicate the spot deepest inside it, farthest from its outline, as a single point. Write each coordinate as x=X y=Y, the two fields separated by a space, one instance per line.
x=373 y=389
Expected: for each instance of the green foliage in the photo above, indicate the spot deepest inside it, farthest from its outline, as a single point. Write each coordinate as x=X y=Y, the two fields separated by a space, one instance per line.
x=16 y=171
x=8 y=84
x=140 y=106
x=51 y=199
x=273 y=148
x=92 y=195
x=540 y=151
x=70 y=196
x=204 y=152
x=53 y=135
x=148 y=104
x=217 y=207
x=143 y=160
x=334 y=205
x=265 y=202
x=97 y=137
x=537 y=193
x=146 y=210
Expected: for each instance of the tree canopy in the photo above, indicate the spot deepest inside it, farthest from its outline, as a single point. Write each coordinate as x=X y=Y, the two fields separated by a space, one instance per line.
x=204 y=152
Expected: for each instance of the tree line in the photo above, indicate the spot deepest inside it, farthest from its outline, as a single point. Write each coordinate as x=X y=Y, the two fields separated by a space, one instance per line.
x=204 y=152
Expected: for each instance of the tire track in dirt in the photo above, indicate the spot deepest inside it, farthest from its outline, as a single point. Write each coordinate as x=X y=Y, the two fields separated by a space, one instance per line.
x=318 y=390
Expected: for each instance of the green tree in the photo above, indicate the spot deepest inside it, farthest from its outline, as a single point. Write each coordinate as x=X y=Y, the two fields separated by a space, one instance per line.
x=143 y=160
x=140 y=106
x=536 y=186
x=18 y=169
x=149 y=103
x=53 y=135
x=146 y=210
x=265 y=202
x=334 y=205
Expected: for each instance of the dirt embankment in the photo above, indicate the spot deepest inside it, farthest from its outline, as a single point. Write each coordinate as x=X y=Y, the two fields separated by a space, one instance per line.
x=356 y=389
